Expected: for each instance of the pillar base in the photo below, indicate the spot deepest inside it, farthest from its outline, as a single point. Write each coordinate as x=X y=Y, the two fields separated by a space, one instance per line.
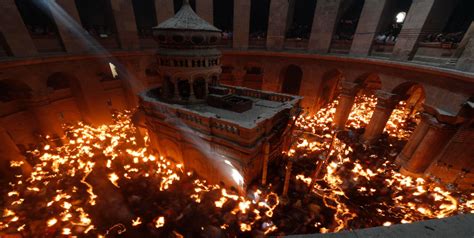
x=401 y=160
x=412 y=174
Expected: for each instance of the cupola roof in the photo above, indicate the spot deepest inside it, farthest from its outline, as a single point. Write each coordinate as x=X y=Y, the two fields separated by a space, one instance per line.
x=186 y=19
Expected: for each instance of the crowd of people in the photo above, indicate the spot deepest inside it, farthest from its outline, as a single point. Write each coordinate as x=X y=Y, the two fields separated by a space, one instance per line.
x=389 y=36
x=454 y=37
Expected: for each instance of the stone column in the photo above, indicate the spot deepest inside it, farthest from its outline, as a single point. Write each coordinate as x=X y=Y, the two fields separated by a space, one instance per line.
x=205 y=10
x=240 y=38
x=423 y=18
x=368 y=26
x=125 y=24
x=386 y=102
x=346 y=101
x=14 y=30
x=464 y=42
x=424 y=145
x=456 y=158
x=277 y=24
x=164 y=10
x=192 y=96
x=465 y=51
x=66 y=17
x=324 y=25
x=266 y=155
x=9 y=152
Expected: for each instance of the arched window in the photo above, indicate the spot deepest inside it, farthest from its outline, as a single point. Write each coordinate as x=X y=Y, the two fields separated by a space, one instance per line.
x=199 y=87
x=58 y=81
x=292 y=77
x=184 y=88
x=370 y=83
x=301 y=14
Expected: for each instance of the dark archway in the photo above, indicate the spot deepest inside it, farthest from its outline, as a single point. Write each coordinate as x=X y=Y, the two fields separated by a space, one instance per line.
x=369 y=83
x=292 y=77
x=199 y=87
x=413 y=94
x=347 y=22
x=300 y=15
x=184 y=88
x=329 y=85
x=145 y=17
x=259 y=13
x=224 y=14
x=58 y=81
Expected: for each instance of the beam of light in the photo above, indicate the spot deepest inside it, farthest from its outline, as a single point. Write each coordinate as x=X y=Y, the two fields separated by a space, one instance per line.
x=87 y=41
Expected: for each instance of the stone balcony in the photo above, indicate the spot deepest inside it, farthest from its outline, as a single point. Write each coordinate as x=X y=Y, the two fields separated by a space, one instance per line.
x=245 y=128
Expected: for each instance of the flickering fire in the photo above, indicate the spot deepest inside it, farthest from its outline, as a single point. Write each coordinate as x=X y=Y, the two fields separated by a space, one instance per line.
x=64 y=183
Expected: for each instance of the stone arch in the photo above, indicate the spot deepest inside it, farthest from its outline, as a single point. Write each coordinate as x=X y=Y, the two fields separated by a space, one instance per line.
x=291 y=76
x=199 y=87
x=369 y=83
x=184 y=88
x=412 y=93
x=58 y=81
x=329 y=84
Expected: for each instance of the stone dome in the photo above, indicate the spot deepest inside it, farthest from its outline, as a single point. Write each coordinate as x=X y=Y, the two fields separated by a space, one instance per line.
x=186 y=30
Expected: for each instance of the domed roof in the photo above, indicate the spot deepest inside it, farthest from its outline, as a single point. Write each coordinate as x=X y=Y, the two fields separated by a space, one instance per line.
x=186 y=19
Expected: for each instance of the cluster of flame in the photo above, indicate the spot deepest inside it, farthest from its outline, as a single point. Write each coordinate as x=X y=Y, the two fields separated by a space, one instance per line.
x=412 y=199
x=58 y=185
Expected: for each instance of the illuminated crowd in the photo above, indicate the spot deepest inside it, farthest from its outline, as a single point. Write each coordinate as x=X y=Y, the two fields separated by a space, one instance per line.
x=104 y=181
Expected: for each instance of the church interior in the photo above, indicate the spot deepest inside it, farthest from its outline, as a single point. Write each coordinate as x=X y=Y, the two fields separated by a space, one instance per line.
x=236 y=118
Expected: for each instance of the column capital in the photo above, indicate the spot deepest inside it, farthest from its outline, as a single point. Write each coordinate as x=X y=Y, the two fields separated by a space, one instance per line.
x=386 y=100
x=434 y=123
x=349 y=88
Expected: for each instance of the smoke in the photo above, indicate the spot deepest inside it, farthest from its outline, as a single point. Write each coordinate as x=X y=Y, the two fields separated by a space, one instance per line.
x=87 y=42
x=219 y=161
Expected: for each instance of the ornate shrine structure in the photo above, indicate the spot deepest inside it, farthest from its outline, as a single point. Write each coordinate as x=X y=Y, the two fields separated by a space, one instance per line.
x=226 y=134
